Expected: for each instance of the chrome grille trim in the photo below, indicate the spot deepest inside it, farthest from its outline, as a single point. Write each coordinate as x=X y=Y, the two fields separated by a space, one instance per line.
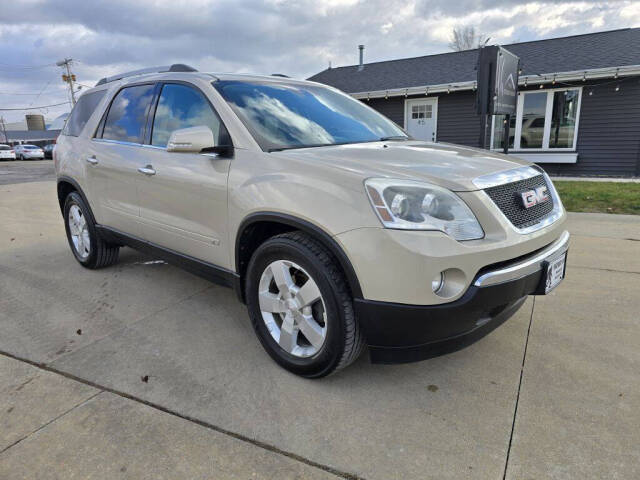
x=508 y=198
x=517 y=174
x=509 y=176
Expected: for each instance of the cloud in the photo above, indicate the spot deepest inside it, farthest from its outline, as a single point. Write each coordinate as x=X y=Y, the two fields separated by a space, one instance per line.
x=298 y=38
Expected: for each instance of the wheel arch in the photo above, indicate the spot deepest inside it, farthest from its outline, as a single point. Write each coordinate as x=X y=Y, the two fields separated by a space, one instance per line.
x=260 y=226
x=65 y=186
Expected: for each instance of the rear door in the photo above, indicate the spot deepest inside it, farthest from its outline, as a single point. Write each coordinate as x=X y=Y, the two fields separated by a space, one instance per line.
x=183 y=196
x=119 y=151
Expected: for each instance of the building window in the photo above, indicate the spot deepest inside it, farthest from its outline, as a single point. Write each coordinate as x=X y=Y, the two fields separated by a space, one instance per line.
x=546 y=120
x=421 y=111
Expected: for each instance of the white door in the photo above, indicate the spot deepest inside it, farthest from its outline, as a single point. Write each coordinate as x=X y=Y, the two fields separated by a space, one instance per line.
x=421 y=118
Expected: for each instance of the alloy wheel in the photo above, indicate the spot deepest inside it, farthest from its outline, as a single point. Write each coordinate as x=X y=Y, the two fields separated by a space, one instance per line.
x=79 y=231
x=292 y=308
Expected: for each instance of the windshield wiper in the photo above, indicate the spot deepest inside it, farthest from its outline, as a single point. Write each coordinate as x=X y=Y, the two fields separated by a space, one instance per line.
x=394 y=137
x=315 y=145
x=293 y=147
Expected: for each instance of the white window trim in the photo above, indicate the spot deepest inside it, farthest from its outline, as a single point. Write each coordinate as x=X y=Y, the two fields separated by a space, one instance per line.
x=407 y=111
x=547 y=123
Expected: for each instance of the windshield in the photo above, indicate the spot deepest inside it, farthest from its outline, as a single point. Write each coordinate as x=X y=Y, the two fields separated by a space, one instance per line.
x=281 y=115
x=5 y=147
x=30 y=147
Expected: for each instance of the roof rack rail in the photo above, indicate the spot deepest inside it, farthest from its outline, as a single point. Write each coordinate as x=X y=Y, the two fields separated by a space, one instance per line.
x=280 y=75
x=176 y=67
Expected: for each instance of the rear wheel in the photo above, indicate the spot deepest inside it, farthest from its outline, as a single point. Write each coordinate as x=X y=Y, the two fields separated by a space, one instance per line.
x=300 y=306
x=88 y=247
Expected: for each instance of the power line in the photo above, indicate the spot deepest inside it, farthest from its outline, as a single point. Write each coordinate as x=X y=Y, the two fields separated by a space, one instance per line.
x=34 y=108
x=32 y=94
x=7 y=65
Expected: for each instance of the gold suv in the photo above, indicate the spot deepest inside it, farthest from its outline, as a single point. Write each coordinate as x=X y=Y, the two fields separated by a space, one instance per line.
x=334 y=227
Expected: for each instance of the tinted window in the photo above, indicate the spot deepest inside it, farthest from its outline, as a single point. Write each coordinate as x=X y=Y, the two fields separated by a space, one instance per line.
x=5 y=147
x=128 y=113
x=292 y=115
x=181 y=106
x=87 y=103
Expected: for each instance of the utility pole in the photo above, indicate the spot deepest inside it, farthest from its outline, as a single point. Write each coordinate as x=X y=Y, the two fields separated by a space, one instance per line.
x=4 y=130
x=69 y=77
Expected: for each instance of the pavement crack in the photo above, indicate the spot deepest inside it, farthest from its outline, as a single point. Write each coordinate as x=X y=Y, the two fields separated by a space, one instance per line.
x=605 y=269
x=156 y=406
x=626 y=239
x=45 y=425
x=515 y=409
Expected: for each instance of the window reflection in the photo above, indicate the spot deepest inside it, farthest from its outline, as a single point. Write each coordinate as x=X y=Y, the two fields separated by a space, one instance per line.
x=563 y=119
x=498 y=131
x=291 y=115
x=533 y=112
x=128 y=113
x=179 y=107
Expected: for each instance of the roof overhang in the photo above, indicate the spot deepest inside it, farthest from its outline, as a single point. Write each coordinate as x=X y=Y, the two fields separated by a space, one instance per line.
x=524 y=80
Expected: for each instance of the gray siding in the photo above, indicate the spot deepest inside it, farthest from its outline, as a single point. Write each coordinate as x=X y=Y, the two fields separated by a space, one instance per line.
x=392 y=108
x=608 y=132
x=457 y=119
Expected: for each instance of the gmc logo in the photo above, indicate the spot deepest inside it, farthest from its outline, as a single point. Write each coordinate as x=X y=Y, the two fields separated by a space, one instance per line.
x=533 y=197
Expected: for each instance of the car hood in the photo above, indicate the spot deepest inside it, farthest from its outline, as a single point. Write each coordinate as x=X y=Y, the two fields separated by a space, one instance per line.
x=450 y=166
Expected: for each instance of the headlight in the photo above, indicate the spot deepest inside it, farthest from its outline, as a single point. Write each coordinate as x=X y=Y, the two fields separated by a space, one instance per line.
x=410 y=205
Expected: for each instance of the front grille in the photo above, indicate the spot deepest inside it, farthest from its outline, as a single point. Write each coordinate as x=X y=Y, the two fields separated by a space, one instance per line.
x=508 y=199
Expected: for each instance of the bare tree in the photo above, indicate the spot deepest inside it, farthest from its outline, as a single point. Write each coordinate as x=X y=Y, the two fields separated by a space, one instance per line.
x=466 y=38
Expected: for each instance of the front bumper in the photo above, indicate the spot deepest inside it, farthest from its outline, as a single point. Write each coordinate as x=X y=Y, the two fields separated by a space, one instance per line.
x=398 y=333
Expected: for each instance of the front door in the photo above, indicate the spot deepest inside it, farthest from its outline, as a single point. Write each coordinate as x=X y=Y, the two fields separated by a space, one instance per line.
x=183 y=196
x=421 y=118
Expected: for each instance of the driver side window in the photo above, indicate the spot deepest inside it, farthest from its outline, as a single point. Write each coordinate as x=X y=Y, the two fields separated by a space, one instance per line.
x=181 y=106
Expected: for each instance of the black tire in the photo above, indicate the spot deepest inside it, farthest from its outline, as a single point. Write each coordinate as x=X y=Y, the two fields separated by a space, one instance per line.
x=344 y=340
x=101 y=254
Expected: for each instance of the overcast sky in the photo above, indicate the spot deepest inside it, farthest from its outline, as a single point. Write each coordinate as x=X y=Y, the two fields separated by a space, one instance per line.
x=298 y=38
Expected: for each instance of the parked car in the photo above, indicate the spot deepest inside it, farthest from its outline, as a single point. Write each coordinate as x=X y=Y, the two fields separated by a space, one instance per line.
x=336 y=228
x=48 y=150
x=29 y=152
x=7 y=152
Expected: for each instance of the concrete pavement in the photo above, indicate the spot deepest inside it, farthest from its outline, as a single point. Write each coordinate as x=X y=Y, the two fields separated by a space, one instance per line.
x=12 y=172
x=575 y=402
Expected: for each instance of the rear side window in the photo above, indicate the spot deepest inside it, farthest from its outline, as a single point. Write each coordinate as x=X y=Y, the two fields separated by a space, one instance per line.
x=128 y=114
x=81 y=113
x=181 y=106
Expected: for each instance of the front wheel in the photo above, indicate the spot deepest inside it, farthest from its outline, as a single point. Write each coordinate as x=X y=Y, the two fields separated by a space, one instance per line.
x=88 y=247
x=300 y=306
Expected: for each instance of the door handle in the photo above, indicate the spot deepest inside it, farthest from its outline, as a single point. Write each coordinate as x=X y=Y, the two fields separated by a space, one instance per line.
x=148 y=170
x=92 y=160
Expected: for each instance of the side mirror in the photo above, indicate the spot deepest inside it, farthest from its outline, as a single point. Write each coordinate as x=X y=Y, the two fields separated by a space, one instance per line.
x=193 y=139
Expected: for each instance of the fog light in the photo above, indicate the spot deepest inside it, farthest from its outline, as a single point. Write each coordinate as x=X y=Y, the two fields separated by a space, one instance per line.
x=437 y=282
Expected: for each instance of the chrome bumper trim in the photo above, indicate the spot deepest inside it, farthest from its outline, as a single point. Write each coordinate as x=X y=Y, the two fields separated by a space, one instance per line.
x=524 y=267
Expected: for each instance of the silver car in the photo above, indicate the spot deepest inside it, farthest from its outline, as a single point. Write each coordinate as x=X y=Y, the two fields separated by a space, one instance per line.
x=337 y=229
x=29 y=152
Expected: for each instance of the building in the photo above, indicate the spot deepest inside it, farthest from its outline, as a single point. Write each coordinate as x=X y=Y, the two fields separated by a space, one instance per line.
x=32 y=130
x=578 y=106
x=32 y=137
